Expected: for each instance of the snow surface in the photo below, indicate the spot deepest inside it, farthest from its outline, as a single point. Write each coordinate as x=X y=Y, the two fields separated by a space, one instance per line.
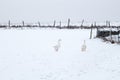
x=29 y=55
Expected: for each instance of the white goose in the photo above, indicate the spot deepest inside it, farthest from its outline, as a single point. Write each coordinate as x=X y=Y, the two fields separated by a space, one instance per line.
x=58 y=45
x=83 y=48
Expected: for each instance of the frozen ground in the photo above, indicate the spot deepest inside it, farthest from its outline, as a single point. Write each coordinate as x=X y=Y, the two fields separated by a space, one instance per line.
x=29 y=55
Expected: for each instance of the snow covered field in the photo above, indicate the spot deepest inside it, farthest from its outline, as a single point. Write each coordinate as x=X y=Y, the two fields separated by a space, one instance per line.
x=30 y=55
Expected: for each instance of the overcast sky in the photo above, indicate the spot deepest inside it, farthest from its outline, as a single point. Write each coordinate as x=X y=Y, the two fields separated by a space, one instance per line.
x=60 y=10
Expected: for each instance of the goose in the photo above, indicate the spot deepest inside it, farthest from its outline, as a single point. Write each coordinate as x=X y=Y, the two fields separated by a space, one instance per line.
x=58 y=45
x=83 y=48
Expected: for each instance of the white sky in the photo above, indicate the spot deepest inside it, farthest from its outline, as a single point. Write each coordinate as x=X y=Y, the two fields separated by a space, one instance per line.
x=60 y=10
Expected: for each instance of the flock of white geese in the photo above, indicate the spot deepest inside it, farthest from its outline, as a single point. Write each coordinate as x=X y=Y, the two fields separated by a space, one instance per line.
x=58 y=45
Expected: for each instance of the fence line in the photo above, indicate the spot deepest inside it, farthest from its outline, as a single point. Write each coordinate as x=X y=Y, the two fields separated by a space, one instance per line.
x=60 y=25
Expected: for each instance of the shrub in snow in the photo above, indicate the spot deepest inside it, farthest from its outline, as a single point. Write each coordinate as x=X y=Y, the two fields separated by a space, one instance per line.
x=83 y=48
x=58 y=45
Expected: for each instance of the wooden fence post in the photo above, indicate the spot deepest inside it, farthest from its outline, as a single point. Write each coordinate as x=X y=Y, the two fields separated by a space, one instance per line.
x=82 y=23
x=91 y=31
x=107 y=23
x=9 y=23
x=39 y=24
x=68 y=23
x=118 y=33
x=97 y=32
x=94 y=24
x=23 y=23
x=54 y=23
x=60 y=24
x=110 y=31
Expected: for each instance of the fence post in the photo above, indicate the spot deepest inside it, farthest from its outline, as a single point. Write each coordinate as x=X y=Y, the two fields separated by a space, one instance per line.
x=110 y=31
x=39 y=24
x=23 y=23
x=107 y=23
x=54 y=23
x=91 y=31
x=97 y=32
x=60 y=24
x=94 y=24
x=68 y=23
x=118 y=33
x=82 y=23
x=9 y=23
